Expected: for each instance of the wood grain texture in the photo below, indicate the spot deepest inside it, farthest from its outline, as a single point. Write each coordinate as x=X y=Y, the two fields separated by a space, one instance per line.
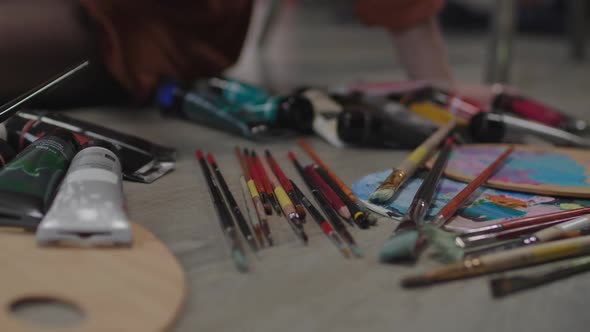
x=580 y=156
x=141 y=288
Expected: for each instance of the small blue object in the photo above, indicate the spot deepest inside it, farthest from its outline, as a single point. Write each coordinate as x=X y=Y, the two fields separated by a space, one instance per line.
x=165 y=94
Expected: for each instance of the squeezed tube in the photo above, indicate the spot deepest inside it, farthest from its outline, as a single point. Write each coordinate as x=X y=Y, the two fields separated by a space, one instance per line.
x=89 y=206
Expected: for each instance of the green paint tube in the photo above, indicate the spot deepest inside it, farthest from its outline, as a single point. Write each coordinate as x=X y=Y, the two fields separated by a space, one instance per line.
x=293 y=112
x=29 y=181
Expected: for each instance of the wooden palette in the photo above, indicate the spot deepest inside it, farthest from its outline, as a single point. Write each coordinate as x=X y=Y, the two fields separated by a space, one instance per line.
x=532 y=169
x=141 y=288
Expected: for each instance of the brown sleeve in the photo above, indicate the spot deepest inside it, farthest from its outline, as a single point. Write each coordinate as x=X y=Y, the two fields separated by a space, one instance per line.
x=143 y=40
x=396 y=14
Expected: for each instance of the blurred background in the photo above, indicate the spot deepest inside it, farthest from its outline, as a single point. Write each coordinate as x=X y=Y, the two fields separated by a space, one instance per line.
x=541 y=44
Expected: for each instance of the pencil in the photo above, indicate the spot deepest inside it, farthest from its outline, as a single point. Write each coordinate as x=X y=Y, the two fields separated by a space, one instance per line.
x=286 y=204
x=502 y=261
x=325 y=206
x=358 y=215
x=266 y=183
x=225 y=220
x=408 y=167
x=258 y=182
x=253 y=216
x=255 y=197
x=233 y=205
x=286 y=184
x=454 y=204
x=321 y=221
x=335 y=202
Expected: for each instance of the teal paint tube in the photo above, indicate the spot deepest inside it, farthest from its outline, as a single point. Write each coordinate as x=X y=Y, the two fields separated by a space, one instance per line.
x=29 y=181
x=291 y=112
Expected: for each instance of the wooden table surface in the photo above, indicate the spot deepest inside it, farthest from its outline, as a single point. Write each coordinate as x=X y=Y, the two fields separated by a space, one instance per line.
x=310 y=288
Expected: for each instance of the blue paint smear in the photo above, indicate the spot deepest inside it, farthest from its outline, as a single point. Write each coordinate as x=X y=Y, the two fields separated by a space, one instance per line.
x=479 y=210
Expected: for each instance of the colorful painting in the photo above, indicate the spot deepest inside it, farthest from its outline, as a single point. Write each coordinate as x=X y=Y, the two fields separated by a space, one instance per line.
x=528 y=167
x=486 y=206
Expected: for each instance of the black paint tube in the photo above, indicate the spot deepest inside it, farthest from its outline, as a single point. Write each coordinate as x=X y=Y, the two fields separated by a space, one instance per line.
x=6 y=152
x=143 y=161
x=28 y=182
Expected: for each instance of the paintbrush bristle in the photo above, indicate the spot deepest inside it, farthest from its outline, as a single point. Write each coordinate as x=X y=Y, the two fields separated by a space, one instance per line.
x=356 y=250
x=240 y=260
x=400 y=247
x=381 y=196
x=444 y=243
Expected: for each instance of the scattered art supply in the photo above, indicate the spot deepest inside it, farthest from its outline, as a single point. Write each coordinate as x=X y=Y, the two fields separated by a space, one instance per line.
x=460 y=106
x=255 y=196
x=389 y=125
x=251 y=210
x=326 y=111
x=485 y=210
x=371 y=217
x=142 y=160
x=335 y=202
x=266 y=183
x=233 y=205
x=503 y=286
x=255 y=174
x=258 y=106
x=529 y=108
x=325 y=206
x=408 y=239
x=358 y=215
x=225 y=219
x=286 y=204
x=89 y=206
x=454 y=204
x=502 y=261
x=13 y=106
x=286 y=184
x=97 y=284
x=386 y=190
x=532 y=169
x=29 y=181
x=322 y=222
x=495 y=128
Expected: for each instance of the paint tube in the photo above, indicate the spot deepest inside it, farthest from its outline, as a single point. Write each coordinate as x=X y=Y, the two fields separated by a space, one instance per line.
x=294 y=112
x=143 y=161
x=327 y=110
x=28 y=182
x=89 y=205
x=6 y=152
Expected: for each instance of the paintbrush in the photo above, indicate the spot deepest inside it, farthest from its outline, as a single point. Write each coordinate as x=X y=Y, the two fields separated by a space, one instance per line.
x=255 y=198
x=502 y=261
x=357 y=215
x=325 y=205
x=258 y=182
x=266 y=183
x=225 y=220
x=451 y=246
x=558 y=230
x=286 y=184
x=504 y=286
x=365 y=213
x=10 y=108
x=233 y=205
x=408 y=167
x=330 y=195
x=252 y=215
x=321 y=221
x=406 y=240
x=286 y=204
x=440 y=239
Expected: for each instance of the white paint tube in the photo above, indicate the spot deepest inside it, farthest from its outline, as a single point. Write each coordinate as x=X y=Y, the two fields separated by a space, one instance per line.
x=89 y=206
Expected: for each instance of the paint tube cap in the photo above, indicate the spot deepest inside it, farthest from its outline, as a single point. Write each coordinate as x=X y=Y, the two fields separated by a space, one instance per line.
x=168 y=95
x=354 y=126
x=67 y=136
x=486 y=129
x=105 y=145
x=296 y=112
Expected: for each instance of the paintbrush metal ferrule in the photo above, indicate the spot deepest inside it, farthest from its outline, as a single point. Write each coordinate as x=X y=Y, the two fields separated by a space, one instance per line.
x=393 y=181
